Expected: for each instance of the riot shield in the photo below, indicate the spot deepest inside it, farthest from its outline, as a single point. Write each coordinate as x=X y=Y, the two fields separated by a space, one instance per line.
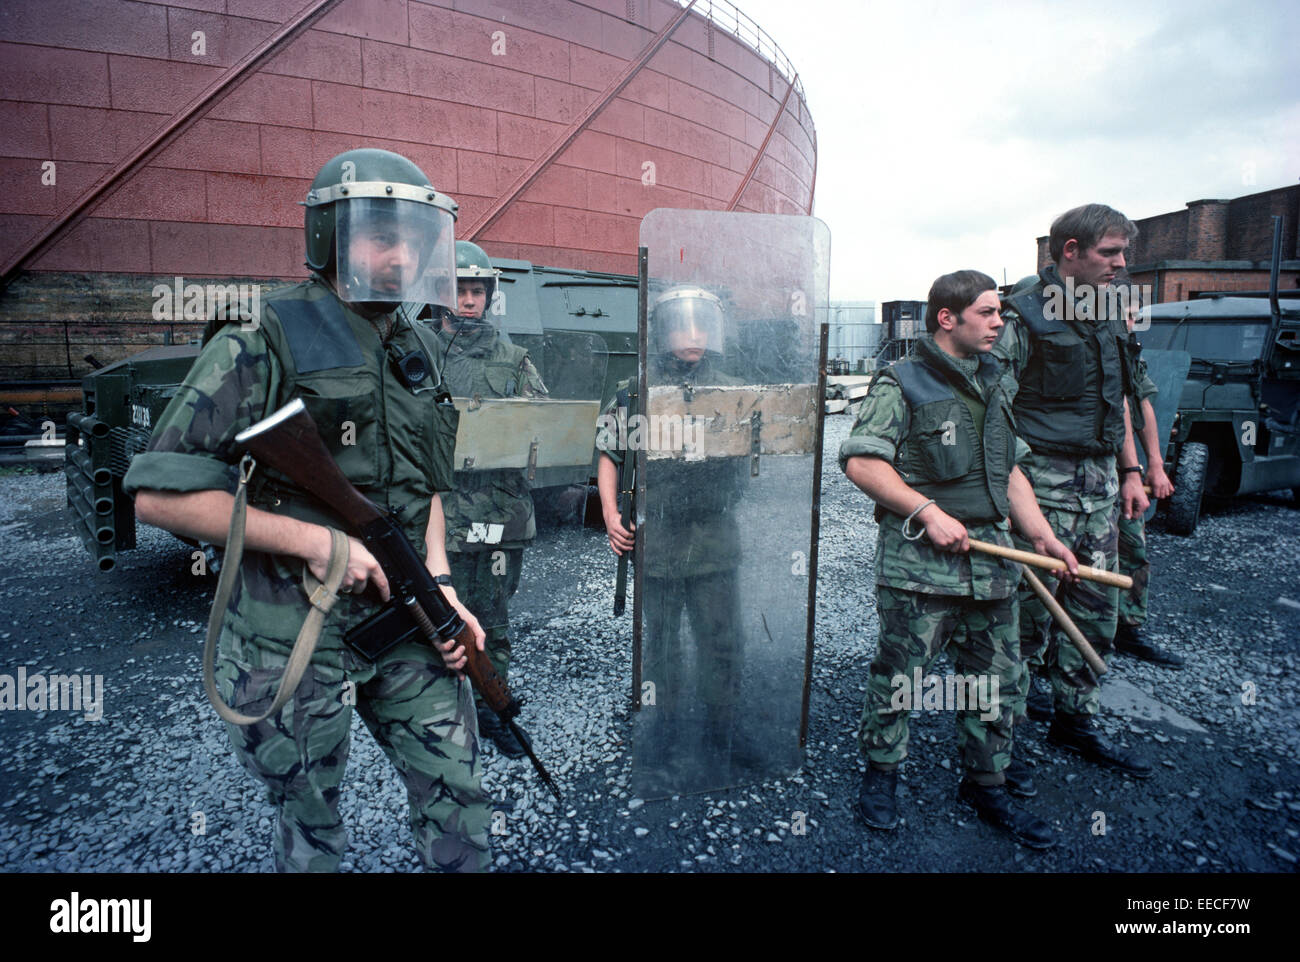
x=725 y=535
x=1168 y=371
x=550 y=439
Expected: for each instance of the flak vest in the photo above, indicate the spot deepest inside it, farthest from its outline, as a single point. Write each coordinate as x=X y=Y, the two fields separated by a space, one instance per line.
x=394 y=444
x=942 y=455
x=1071 y=393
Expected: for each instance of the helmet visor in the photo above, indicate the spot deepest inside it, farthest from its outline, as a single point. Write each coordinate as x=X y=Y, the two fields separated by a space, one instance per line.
x=392 y=249
x=688 y=327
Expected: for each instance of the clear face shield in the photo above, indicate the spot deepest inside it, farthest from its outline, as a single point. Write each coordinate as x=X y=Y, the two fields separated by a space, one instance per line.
x=395 y=249
x=688 y=325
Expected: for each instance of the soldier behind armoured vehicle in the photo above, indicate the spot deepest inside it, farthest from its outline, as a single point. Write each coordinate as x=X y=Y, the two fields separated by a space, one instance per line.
x=490 y=515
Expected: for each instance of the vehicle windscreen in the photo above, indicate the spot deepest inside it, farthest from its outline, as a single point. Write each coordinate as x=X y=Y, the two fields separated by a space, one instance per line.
x=1209 y=340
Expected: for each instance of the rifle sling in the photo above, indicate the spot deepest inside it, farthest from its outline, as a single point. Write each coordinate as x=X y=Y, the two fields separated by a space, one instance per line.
x=322 y=597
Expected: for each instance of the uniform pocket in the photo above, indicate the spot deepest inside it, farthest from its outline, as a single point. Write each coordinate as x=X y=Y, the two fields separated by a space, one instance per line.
x=938 y=446
x=346 y=422
x=442 y=420
x=1063 y=370
x=944 y=453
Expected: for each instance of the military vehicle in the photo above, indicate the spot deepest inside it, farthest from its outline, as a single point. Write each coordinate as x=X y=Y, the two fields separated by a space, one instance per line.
x=1237 y=430
x=579 y=326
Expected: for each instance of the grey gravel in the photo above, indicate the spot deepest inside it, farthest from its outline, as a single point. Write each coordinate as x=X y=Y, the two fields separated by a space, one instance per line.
x=123 y=793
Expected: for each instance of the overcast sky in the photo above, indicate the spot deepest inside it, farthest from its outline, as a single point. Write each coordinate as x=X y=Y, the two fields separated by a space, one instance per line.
x=950 y=134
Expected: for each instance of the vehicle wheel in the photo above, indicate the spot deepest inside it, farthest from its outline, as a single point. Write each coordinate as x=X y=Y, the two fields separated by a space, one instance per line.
x=1183 y=509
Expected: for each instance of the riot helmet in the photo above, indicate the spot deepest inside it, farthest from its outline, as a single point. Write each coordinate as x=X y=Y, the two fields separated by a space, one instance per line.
x=687 y=322
x=473 y=265
x=388 y=235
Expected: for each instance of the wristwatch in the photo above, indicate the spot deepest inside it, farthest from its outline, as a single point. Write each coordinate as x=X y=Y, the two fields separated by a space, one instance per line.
x=442 y=580
x=1127 y=470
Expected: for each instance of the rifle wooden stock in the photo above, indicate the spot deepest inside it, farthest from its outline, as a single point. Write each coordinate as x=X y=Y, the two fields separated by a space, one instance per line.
x=1053 y=564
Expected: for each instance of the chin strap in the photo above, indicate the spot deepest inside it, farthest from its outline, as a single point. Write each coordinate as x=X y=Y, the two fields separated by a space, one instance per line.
x=322 y=597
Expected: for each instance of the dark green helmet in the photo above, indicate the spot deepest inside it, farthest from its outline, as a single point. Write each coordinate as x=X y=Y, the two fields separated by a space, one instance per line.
x=365 y=201
x=472 y=262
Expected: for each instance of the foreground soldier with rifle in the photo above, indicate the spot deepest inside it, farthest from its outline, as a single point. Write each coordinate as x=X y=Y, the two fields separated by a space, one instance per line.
x=378 y=235
x=934 y=446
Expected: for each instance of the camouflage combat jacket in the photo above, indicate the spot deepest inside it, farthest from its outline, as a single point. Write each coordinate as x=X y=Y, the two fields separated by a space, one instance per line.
x=690 y=529
x=880 y=431
x=486 y=510
x=1072 y=481
x=393 y=444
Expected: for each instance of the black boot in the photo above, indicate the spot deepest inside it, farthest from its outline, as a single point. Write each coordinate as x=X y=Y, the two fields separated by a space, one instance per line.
x=993 y=805
x=1038 y=705
x=877 y=802
x=1129 y=642
x=1020 y=779
x=490 y=726
x=1078 y=734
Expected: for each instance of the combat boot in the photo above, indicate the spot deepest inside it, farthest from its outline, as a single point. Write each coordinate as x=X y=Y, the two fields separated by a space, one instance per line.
x=1129 y=642
x=1078 y=734
x=877 y=804
x=492 y=727
x=993 y=805
x=1020 y=779
x=1038 y=704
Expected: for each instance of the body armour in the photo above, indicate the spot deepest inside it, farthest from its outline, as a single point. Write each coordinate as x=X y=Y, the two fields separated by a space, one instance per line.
x=394 y=444
x=1072 y=391
x=943 y=455
x=486 y=510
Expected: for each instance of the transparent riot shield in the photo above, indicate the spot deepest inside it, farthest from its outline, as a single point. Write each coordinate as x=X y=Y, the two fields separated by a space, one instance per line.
x=726 y=452
x=1168 y=371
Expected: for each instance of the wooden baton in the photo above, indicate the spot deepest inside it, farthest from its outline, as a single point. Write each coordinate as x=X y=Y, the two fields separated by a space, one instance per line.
x=1053 y=564
x=1067 y=624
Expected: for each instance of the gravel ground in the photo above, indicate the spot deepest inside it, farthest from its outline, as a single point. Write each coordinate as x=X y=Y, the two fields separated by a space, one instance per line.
x=131 y=791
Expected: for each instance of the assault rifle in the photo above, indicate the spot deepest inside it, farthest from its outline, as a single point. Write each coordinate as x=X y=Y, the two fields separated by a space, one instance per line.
x=289 y=442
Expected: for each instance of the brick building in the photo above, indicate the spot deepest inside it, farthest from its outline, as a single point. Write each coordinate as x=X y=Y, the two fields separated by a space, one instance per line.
x=1214 y=245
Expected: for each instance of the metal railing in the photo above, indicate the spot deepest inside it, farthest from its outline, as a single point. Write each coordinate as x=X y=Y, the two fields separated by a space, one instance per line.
x=737 y=24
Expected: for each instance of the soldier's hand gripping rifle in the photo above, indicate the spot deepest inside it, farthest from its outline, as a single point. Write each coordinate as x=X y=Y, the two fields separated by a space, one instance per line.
x=627 y=401
x=289 y=442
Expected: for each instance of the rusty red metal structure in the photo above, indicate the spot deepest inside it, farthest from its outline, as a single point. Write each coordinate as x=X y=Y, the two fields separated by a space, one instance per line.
x=149 y=140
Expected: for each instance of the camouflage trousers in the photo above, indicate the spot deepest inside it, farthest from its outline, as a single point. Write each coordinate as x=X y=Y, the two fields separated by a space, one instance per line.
x=982 y=641
x=421 y=715
x=1093 y=536
x=485 y=581
x=709 y=652
x=1133 y=562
